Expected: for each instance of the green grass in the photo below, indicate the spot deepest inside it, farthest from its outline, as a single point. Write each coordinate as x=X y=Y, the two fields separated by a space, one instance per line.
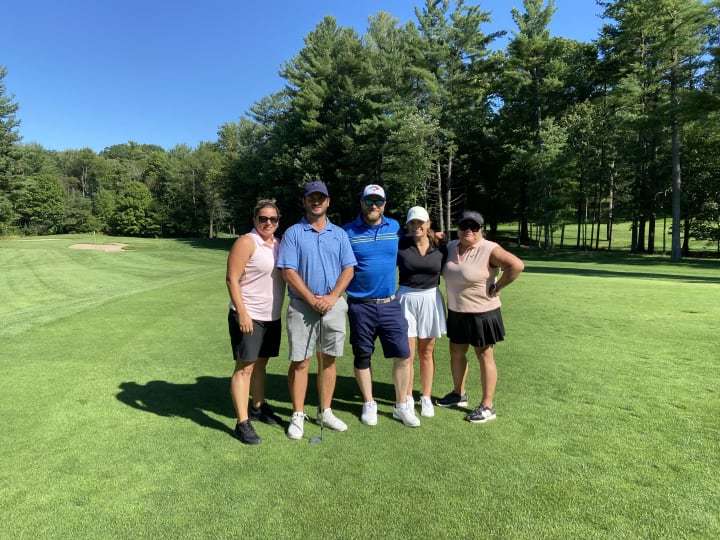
x=117 y=418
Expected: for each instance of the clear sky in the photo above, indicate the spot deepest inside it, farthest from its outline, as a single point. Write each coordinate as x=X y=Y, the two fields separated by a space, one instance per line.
x=94 y=73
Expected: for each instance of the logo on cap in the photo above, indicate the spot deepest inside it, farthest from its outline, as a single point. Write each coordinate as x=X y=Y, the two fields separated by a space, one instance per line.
x=373 y=189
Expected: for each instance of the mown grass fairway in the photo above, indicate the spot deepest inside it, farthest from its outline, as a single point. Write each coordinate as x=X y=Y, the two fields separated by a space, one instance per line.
x=117 y=419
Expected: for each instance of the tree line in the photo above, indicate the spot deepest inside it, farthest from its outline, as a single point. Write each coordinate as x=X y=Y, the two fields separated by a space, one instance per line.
x=547 y=133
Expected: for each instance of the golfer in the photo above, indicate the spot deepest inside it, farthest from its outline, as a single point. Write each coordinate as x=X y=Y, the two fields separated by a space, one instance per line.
x=421 y=257
x=373 y=308
x=256 y=292
x=318 y=263
x=474 y=318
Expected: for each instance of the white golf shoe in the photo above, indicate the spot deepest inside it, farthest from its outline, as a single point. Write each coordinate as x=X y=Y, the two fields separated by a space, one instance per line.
x=369 y=413
x=327 y=419
x=401 y=412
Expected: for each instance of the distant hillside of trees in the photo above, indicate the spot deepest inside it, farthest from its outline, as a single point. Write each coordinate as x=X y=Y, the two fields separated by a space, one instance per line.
x=548 y=132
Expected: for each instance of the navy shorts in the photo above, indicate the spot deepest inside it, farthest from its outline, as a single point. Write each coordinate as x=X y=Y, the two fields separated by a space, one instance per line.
x=264 y=342
x=386 y=321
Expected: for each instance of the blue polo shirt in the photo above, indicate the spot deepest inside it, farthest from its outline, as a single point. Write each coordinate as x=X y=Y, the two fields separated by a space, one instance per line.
x=318 y=257
x=375 y=248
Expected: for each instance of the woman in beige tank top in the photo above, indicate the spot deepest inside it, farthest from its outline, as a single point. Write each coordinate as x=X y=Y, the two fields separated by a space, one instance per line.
x=473 y=295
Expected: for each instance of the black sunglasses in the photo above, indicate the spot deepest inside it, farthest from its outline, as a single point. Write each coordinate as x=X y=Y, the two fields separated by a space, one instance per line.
x=265 y=219
x=370 y=202
x=465 y=225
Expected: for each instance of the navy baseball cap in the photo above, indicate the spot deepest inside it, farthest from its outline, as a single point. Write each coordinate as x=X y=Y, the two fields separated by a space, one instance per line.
x=316 y=187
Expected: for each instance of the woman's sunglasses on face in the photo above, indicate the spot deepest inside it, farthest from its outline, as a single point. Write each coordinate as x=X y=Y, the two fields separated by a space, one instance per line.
x=465 y=225
x=370 y=202
x=265 y=219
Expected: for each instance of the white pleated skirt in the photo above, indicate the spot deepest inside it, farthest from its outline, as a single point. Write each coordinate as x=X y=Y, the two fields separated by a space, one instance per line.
x=424 y=310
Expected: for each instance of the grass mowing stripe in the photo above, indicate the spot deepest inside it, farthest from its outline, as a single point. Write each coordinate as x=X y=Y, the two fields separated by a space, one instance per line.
x=51 y=276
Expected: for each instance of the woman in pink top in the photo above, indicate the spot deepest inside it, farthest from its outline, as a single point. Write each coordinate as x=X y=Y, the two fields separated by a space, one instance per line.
x=256 y=292
x=473 y=296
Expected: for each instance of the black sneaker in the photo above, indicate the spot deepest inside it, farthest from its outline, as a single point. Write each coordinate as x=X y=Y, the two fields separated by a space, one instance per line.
x=246 y=433
x=453 y=399
x=264 y=414
x=481 y=414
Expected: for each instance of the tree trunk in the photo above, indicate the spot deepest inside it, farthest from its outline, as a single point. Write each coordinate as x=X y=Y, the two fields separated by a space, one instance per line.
x=651 y=235
x=676 y=251
x=611 y=205
x=686 y=238
x=441 y=206
x=448 y=188
x=642 y=223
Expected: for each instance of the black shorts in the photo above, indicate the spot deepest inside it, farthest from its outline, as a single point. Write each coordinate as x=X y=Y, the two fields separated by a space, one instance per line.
x=476 y=329
x=264 y=342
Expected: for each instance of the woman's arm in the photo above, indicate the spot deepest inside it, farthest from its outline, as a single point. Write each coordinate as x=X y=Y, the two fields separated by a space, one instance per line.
x=510 y=265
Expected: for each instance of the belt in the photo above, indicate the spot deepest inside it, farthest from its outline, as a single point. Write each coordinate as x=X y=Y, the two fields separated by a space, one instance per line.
x=371 y=300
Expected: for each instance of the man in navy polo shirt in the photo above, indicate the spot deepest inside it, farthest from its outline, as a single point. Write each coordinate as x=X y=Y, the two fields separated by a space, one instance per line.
x=373 y=309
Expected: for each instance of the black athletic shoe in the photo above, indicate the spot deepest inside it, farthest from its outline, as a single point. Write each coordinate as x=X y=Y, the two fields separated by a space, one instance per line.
x=481 y=414
x=246 y=433
x=264 y=414
x=453 y=400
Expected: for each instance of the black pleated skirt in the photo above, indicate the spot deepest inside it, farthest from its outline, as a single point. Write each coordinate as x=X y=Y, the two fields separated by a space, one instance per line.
x=476 y=329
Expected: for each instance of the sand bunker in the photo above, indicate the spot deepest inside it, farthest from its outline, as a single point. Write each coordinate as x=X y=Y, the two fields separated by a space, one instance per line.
x=113 y=246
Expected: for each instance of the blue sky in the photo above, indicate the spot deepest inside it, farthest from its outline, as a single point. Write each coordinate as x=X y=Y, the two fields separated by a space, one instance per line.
x=94 y=73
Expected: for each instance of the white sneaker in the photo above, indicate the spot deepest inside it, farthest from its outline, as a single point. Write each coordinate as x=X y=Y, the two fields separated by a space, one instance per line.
x=369 y=413
x=401 y=412
x=427 y=408
x=296 y=429
x=410 y=404
x=327 y=419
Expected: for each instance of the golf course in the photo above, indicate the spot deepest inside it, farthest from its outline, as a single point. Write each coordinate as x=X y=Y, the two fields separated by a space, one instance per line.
x=118 y=423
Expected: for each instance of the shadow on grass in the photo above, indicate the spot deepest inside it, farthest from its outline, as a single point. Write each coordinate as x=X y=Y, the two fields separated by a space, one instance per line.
x=223 y=244
x=537 y=269
x=212 y=395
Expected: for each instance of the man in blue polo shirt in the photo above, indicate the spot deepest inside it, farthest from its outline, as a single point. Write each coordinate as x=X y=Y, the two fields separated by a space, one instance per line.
x=317 y=263
x=373 y=309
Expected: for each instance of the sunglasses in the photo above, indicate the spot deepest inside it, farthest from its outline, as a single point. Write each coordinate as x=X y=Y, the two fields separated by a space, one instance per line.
x=373 y=202
x=465 y=225
x=265 y=219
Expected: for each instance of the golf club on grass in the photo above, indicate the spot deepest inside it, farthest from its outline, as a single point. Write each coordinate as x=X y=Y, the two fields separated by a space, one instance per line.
x=321 y=366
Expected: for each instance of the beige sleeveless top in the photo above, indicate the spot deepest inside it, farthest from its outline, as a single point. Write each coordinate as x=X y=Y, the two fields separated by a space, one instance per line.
x=468 y=277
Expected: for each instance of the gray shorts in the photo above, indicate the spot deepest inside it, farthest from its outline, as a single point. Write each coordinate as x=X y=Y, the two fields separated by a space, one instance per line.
x=304 y=329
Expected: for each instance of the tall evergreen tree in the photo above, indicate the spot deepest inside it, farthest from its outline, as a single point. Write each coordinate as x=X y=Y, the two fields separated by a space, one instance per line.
x=454 y=91
x=541 y=79
x=659 y=46
x=9 y=138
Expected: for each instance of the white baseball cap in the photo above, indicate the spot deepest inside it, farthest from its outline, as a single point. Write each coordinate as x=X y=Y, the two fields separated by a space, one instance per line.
x=417 y=212
x=373 y=189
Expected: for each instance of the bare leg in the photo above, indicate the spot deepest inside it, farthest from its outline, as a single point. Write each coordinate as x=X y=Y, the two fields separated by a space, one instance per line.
x=326 y=387
x=240 y=388
x=458 y=366
x=297 y=383
x=426 y=346
x=400 y=376
x=364 y=380
x=488 y=373
x=411 y=366
x=257 y=382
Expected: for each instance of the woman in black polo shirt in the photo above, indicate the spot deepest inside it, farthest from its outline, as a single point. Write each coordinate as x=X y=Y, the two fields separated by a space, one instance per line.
x=420 y=260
